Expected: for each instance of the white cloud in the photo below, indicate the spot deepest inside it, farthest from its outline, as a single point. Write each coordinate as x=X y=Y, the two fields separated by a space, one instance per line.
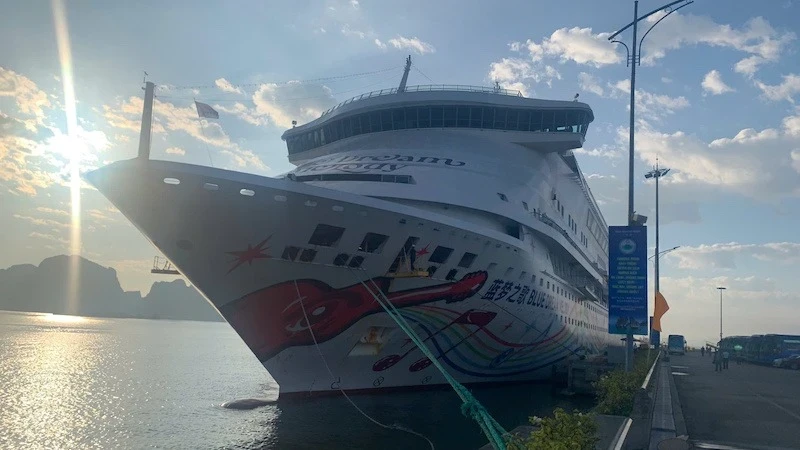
x=795 y=155
x=726 y=255
x=48 y=237
x=167 y=117
x=515 y=73
x=354 y=4
x=243 y=112
x=226 y=86
x=649 y=106
x=748 y=66
x=380 y=44
x=42 y=222
x=694 y=304
x=589 y=84
x=757 y=164
x=786 y=90
x=292 y=101
x=53 y=211
x=414 y=44
x=175 y=151
x=713 y=84
x=30 y=100
x=666 y=80
x=604 y=151
x=756 y=37
x=347 y=31
x=579 y=45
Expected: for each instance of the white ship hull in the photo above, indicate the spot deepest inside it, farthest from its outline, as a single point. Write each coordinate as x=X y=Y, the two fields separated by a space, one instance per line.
x=481 y=188
x=488 y=325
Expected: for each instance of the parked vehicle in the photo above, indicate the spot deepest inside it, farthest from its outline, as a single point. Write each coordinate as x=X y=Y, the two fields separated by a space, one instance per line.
x=789 y=362
x=676 y=344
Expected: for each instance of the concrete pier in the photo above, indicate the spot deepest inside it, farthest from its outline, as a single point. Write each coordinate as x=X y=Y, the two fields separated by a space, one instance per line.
x=744 y=407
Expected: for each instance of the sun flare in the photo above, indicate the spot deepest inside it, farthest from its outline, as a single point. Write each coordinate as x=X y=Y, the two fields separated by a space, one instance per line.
x=74 y=150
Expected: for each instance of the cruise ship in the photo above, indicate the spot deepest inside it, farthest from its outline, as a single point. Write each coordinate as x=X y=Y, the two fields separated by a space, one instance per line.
x=462 y=207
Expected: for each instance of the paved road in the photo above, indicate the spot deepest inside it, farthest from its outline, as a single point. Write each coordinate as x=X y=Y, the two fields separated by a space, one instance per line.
x=746 y=406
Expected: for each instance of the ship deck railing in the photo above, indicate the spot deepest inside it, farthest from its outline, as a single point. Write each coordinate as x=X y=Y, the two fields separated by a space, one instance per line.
x=552 y=224
x=429 y=88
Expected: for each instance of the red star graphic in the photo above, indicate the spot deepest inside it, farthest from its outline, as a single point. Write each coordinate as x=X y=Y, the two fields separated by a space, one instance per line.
x=252 y=253
x=423 y=251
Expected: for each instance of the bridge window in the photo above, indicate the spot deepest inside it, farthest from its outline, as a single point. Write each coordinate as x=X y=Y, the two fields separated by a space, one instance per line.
x=326 y=235
x=440 y=255
x=463 y=116
x=372 y=243
x=475 y=117
x=450 y=116
x=467 y=260
x=437 y=113
x=424 y=117
x=446 y=116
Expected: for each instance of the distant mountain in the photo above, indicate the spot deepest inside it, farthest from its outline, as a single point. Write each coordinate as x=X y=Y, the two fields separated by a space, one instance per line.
x=26 y=287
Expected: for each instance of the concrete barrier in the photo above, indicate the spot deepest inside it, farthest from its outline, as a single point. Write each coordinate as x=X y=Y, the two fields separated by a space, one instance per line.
x=638 y=436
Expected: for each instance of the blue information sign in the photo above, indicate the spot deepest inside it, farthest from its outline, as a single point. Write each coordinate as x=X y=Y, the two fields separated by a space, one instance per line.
x=627 y=280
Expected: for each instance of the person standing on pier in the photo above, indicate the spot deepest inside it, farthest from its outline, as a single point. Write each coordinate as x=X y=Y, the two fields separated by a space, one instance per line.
x=725 y=358
x=702 y=351
x=717 y=358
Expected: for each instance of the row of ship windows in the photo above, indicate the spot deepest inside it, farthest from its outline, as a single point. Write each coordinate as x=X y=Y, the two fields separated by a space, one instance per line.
x=456 y=116
x=580 y=323
x=329 y=236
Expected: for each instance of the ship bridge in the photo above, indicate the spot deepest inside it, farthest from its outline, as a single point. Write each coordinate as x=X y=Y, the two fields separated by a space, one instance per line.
x=544 y=124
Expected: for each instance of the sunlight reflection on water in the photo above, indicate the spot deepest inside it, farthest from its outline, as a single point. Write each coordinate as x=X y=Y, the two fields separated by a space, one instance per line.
x=100 y=383
x=123 y=383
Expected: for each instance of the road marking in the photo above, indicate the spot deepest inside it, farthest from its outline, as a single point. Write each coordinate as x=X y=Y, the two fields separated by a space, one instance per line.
x=680 y=373
x=711 y=445
x=681 y=367
x=624 y=434
x=784 y=409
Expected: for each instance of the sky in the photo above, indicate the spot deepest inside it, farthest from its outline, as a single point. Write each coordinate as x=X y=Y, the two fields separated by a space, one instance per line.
x=716 y=97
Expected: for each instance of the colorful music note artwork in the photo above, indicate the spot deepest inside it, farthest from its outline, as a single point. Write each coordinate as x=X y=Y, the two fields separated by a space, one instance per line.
x=471 y=317
x=272 y=319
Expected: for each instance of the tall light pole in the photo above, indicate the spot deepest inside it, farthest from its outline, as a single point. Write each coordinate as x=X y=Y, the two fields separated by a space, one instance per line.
x=633 y=59
x=656 y=173
x=721 y=288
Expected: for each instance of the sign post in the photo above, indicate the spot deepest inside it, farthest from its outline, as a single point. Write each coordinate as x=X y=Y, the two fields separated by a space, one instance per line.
x=627 y=284
x=655 y=336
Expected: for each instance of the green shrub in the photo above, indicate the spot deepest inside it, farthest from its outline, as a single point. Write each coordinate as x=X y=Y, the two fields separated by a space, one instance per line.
x=563 y=431
x=616 y=390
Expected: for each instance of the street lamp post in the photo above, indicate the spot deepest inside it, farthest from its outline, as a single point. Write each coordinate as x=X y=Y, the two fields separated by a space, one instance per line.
x=633 y=59
x=657 y=173
x=721 y=288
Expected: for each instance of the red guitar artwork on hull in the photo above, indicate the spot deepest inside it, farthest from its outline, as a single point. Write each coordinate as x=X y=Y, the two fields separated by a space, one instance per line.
x=271 y=319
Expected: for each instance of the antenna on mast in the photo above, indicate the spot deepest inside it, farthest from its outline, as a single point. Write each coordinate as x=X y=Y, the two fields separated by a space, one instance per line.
x=402 y=87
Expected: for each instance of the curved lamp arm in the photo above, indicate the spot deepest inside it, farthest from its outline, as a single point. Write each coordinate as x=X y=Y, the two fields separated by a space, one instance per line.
x=669 y=11
x=627 y=50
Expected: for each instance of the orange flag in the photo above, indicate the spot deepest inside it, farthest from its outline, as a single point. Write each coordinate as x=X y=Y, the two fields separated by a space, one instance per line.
x=661 y=308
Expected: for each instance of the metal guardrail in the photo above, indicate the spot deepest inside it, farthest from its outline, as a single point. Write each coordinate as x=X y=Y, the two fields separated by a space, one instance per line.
x=428 y=88
x=650 y=373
